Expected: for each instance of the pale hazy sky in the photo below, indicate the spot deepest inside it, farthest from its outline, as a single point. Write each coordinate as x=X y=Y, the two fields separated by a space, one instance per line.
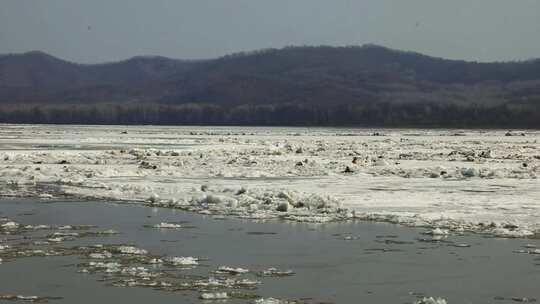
x=107 y=30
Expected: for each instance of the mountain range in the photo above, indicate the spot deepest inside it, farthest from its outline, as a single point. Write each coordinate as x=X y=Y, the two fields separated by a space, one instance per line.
x=318 y=84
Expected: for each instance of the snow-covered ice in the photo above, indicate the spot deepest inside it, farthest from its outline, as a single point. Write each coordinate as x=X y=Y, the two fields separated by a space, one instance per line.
x=478 y=181
x=270 y=301
x=131 y=250
x=214 y=296
x=431 y=301
x=183 y=261
x=231 y=270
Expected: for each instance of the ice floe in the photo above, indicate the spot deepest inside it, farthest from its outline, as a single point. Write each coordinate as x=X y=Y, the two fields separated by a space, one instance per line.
x=231 y=270
x=182 y=261
x=167 y=226
x=131 y=250
x=274 y=272
x=431 y=300
x=214 y=296
x=425 y=178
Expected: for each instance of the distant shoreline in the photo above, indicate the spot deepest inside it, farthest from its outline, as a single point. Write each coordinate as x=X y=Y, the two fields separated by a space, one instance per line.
x=344 y=127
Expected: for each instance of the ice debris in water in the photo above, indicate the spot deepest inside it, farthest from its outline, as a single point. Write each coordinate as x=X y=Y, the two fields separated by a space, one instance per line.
x=164 y=225
x=512 y=233
x=225 y=283
x=265 y=204
x=100 y=256
x=183 y=261
x=402 y=157
x=534 y=251
x=155 y=261
x=214 y=296
x=110 y=267
x=274 y=272
x=22 y=298
x=438 y=232
x=231 y=270
x=431 y=300
x=270 y=301
x=131 y=250
x=10 y=225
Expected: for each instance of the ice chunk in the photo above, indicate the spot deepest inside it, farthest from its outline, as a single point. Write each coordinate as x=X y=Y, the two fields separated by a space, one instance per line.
x=270 y=272
x=231 y=270
x=100 y=256
x=214 y=296
x=183 y=261
x=269 y=301
x=438 y=232
x=155 y=261
x=164 y=225
x=431 y=301
x=10 y=225
x=511 y=233
x=131 y=250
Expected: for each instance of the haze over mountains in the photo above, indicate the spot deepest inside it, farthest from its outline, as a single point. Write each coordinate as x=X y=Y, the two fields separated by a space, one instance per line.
x=367 y=85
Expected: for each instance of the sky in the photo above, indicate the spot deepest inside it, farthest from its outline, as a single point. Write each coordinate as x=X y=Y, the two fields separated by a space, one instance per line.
x=91 y=31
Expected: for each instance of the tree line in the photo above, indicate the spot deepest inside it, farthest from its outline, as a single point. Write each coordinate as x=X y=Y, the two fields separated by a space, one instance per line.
x=380 y=114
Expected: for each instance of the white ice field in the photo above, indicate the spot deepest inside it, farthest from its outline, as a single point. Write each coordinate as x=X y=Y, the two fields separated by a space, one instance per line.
x=472 y=180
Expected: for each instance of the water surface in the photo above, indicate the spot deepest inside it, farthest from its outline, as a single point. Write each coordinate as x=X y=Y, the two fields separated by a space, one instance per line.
x=353 y=262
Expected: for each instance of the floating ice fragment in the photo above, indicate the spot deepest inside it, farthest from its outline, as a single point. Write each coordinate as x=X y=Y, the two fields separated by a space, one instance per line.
x=164 y=225
x=231 y=270
x=214 y=296
x=523 y=300
x=270 y=272
x=511 y=233
x=438 y=232
x=183 y=261
x=37 y=227
x=10 y=225
x=431 y=301
x=155 y=261
x=131 y=250
x=269 y=301
x=109 y=232
x=23 y=298
x=103 y=255
x=111 y=267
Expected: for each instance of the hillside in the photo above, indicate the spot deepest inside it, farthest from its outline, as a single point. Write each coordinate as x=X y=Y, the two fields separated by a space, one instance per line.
x=36 y=76
x=368 y=85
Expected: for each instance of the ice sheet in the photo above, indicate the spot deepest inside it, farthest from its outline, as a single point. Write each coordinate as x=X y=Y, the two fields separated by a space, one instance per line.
x=480 y=180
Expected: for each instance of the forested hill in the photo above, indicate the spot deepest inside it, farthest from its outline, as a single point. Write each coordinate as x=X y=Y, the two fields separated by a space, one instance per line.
x=367 y=85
